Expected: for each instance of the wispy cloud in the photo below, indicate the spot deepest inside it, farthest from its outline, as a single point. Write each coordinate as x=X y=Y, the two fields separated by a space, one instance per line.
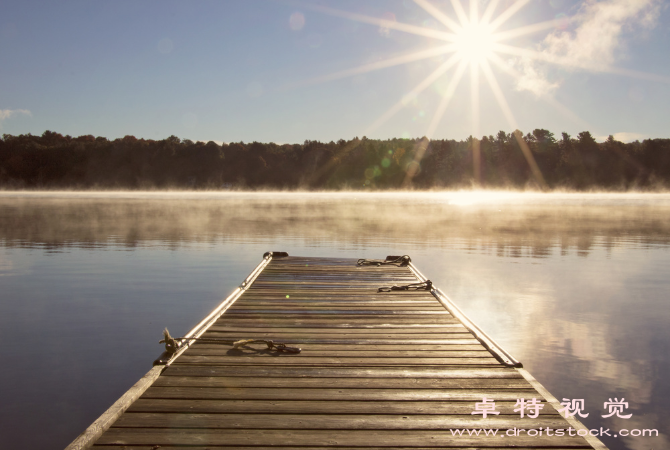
x=7 y=113
x=596 y=39
x=534 y=80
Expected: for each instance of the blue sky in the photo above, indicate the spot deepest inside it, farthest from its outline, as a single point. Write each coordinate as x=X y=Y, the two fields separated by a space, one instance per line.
x=272 y=71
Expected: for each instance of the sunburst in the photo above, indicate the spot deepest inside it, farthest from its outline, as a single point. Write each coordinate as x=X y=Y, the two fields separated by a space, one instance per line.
x=470 y=41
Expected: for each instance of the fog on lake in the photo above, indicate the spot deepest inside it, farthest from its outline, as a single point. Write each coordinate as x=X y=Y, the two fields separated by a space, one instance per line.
x=573 y=285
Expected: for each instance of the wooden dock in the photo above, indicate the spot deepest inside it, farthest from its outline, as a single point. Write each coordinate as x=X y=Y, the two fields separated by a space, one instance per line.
x=391 y=370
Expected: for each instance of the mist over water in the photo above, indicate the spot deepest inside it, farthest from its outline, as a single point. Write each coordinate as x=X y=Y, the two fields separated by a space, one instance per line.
x=573 y=285
x=486 y=220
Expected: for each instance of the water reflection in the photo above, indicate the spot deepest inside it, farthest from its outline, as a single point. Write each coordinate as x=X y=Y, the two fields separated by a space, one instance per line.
x=575 y=286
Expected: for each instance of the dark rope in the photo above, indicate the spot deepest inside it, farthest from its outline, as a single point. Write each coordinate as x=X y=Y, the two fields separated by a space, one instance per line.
x=172 y=344
x=400 y=261
x=425 y=286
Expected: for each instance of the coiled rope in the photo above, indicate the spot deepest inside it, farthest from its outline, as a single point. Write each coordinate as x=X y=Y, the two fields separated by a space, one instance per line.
x=173 y=344
x=400 y=261
x=425 y=286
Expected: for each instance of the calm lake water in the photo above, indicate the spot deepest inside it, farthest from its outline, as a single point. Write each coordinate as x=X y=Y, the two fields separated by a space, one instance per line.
x=575 y=286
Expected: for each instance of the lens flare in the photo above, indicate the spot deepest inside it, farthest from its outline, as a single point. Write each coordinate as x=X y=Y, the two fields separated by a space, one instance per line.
x=297 y=21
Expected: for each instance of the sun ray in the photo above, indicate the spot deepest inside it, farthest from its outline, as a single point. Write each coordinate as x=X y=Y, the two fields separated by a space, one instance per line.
x=460 y=12
x=404 y=59
x=488 y=13
x=406 y=28
x=477 y=161
x=334 y=160
x=474 y=97
x=414 y=167
x=566 y=62
x=500 y=98
x=502 y=101
x=537 y=174
x=497 y=60
x=420 y=148
x=474 y=12
x=508 y=13
x=430 y=79
x=524 y=31
x=438 y=15
x=446 y=98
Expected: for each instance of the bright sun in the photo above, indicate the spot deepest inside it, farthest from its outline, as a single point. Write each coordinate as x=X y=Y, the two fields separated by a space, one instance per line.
x=475 y=43
x=472 y=42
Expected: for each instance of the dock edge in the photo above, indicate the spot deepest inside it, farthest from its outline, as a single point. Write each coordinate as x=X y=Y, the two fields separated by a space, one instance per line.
x=87 y=438
x=505 y=358
x=500 y=354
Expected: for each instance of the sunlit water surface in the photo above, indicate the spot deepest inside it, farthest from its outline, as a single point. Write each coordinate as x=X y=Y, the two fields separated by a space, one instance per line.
x=574 y=285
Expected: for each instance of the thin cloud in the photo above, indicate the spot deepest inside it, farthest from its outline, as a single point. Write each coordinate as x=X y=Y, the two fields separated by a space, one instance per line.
x=534 y=80
x=7 y=113
x=596 y=41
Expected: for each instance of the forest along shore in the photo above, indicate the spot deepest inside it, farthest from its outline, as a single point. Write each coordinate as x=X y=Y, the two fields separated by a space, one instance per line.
x=507 y=160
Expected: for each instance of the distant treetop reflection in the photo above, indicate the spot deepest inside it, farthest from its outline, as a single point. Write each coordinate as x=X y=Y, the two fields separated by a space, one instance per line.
x=518 y=226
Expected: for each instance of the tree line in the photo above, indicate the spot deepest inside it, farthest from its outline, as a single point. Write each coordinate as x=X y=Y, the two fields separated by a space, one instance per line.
x=507 y=160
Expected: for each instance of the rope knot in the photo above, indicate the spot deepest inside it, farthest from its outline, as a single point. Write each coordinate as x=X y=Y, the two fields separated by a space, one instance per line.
x=171 y=344
x=400 y=261
x=424 y=286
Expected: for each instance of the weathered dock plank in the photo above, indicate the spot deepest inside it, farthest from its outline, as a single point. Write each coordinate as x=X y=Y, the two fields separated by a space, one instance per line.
x=332 y=394
x=281 y=447
x=332 y=438
x=316 y=361
x=358 y=383
x=329 y=421
x=389 y=370
x=317 y=407
x=348 y=372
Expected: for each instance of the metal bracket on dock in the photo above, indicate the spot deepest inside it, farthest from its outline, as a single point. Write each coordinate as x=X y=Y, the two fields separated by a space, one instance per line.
x=275 y=254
